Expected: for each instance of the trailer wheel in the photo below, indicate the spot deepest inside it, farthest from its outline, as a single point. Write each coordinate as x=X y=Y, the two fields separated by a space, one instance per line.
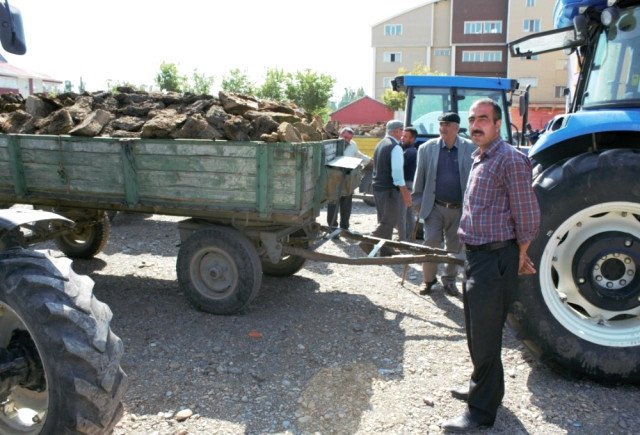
x=219 y=270
x=366 y=188
x=289 y=264
x=87 y=240
x=581 y=311
x=55 y=336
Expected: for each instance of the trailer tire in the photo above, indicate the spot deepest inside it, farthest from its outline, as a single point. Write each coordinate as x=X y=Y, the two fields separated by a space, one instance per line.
x=580 y=312
x=287 y=266
x=366 y=188
x=87 y=241
x=219 y=270
x=50 y=318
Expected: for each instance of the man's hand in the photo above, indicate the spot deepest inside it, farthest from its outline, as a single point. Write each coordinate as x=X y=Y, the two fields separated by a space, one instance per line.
x=525 y=266
x=406 y=196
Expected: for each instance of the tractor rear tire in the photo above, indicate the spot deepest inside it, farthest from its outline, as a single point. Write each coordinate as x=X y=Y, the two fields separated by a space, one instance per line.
x=51 y=320
x=580 y=312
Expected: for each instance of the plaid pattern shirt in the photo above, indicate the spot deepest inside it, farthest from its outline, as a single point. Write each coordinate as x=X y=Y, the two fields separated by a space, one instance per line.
x=499 y=202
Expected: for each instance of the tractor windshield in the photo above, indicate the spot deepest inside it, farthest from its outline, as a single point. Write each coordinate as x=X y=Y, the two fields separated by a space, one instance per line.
x=614 y=73
x=429 y=103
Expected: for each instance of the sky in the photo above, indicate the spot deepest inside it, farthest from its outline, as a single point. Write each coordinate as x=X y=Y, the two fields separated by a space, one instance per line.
x=126 y=41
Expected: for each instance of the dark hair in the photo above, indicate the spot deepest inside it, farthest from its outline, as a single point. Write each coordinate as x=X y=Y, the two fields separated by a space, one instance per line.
x=497 y=111
x=411 y=130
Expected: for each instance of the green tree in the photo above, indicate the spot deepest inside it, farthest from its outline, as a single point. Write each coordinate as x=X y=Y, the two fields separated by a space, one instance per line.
x=311 y=91
x=237 y=82
x=200 y=83
x=274 y=86
x=168 y=79
x=68 y=86
x=395 y=100
x=81 y=87
x=349 y=96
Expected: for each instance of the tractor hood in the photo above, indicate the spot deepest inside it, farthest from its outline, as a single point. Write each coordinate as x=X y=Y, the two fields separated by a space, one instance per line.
x=566 y=126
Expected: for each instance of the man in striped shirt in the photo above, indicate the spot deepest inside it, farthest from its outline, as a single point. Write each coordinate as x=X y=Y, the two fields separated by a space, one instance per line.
x=500 y=218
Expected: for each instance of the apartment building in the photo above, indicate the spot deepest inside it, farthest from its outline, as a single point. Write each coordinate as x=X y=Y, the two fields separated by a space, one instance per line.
x=469 y=37
x=547 y=74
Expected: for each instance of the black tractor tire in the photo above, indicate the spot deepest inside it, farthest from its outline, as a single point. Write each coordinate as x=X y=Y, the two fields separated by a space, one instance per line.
x=50 y=317
x=580 y=312
x=219 y=270
x=86 y=241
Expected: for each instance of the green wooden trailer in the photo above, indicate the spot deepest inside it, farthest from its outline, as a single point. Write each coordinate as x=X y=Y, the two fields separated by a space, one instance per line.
x=250 y=207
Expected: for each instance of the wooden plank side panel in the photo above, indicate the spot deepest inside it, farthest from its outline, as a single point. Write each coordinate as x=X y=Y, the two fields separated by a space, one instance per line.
x=6 y=182
x=285 y=173
x=310 y=183
x=55 y=164
x=212 y=174
x=195 y=148
x=192 y=175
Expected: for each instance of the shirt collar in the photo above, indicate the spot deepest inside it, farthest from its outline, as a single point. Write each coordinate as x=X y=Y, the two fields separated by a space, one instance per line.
x=491 y=149
x=444 y=145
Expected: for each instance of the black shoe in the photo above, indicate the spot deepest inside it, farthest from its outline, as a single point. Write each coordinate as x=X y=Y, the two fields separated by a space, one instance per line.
x=451 y=288
x=460 y=393
x=427 y=287
x=464 y=423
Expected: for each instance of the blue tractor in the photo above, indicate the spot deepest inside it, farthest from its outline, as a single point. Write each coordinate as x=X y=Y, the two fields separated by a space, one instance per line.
x=581 y=311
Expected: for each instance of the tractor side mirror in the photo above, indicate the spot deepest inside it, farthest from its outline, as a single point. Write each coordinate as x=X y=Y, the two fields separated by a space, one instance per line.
x=11 y=30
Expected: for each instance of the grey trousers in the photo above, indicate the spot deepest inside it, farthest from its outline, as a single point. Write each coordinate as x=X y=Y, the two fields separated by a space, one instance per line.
x=389 y=206
x=442 y=225
x=407 y=219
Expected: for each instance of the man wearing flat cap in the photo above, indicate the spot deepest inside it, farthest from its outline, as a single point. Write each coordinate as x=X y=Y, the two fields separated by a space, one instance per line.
x=442 y=171
x=389 y=189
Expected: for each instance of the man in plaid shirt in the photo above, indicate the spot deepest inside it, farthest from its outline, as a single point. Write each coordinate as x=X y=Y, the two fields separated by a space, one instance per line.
x=500 y=218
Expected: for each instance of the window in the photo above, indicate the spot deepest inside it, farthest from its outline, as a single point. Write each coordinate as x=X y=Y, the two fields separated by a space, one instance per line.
x=392 y=57
x=472 y=27
x=478 y=27
x=524 y=81
x=561 y=64
x=482 y=56
x=492 y=27
x=530 y=3
x=531 y=25
x=559 y=91
x=392 y=29
x=442 y=52
x=386 y=82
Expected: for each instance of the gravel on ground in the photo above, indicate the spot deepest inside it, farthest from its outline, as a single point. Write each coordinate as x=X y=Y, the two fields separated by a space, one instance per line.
x=334 y=349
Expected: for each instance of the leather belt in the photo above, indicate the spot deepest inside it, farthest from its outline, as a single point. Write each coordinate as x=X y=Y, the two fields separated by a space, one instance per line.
x=448 y=204
x=489 y=246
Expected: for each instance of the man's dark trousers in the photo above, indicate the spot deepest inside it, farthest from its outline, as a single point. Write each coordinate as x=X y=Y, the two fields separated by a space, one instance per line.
x=344 y=209
x=492 y=279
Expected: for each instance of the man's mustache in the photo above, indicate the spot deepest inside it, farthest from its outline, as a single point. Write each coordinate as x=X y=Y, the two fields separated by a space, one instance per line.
x=477 y=132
